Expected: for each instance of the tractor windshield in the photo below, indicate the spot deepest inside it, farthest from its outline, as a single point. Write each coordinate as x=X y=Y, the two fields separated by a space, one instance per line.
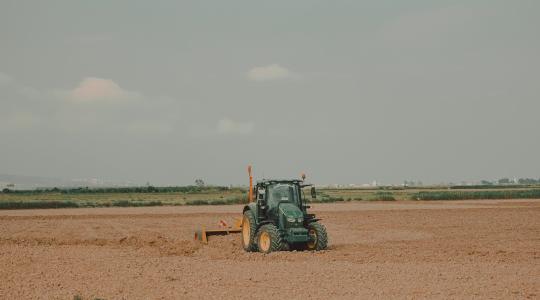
x=282 y=192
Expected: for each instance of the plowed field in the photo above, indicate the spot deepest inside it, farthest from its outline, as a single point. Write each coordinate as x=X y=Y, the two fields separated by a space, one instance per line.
x=446 y=249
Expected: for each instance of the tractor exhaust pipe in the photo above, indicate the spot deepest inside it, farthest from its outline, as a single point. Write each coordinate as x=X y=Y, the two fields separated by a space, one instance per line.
x=250 y=191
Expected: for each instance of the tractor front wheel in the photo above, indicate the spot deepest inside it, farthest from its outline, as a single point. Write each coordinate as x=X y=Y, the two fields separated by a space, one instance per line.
x=268 y=239
x=318 y=235
x=249 y=230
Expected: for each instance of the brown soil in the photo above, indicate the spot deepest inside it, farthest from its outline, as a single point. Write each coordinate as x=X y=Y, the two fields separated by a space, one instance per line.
x=461 y=249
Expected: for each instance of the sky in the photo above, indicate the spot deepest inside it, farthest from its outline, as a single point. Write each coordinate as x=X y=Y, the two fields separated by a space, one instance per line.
x=346 y=91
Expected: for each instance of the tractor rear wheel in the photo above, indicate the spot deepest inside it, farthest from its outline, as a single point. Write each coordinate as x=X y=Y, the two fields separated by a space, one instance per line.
x=319 y=237
x=249 y=231
x=269 y=239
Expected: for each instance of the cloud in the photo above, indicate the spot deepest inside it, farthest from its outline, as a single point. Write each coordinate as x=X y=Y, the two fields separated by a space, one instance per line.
x=231 y=127
x=5 y=79
x=270 y=72
x=96 y=89
x=92 y=106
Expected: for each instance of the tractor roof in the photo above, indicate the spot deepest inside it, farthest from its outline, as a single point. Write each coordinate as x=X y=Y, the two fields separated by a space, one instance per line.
x=270 y=181
x=293 y=181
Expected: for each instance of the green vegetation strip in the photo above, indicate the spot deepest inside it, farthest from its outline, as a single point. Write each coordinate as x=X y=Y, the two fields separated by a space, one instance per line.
x=36 y=204
x=31 y=204
x=214 y=196
x=460 y=195
x=373 y=196
x=190 y=189
x=71 y=204
x=217 y=202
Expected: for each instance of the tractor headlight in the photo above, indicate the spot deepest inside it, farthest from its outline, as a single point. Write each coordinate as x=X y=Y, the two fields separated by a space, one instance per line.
x=290 y=220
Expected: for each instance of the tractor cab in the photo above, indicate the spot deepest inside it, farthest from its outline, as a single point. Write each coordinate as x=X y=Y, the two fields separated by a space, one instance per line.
x=278 y=218
x=271 y=194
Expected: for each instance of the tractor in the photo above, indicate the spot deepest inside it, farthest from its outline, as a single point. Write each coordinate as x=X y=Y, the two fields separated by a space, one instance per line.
x=278 y=219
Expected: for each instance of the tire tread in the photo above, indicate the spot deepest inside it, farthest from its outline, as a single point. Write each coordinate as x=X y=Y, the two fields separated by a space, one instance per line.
x=253 y=232
x=276 y=241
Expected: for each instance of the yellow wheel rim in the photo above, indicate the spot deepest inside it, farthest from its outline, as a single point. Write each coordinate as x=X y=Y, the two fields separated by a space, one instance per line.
x=311 y=245
x=264 y=241
x=246 y=231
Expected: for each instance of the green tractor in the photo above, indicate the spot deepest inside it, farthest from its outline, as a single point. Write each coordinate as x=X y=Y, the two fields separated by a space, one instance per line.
x=278 y=220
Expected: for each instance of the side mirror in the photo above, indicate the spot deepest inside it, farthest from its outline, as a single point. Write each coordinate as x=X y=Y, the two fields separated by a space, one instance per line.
x=313 y=192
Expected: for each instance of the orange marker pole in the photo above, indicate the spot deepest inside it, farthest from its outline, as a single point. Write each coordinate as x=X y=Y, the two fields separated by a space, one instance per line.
x=250 y=192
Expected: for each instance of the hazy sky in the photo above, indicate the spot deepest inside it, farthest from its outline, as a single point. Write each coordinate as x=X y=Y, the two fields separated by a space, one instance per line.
x=347 y=91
